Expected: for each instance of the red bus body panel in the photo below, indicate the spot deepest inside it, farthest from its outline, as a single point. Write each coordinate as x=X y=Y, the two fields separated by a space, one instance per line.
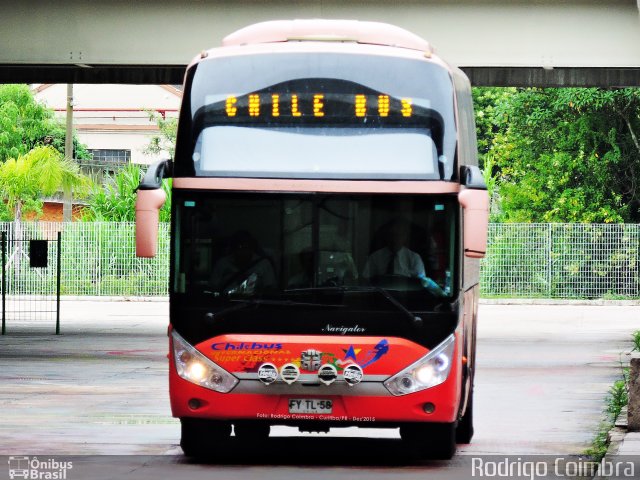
x=242 y=354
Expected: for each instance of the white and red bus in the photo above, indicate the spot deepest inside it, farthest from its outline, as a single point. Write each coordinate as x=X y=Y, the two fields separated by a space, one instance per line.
x=328 y=217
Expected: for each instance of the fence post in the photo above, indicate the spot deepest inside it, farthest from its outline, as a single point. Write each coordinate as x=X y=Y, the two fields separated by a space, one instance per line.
x=58 y=275
x=99 y=252
x=4 y=281
x=549 y=259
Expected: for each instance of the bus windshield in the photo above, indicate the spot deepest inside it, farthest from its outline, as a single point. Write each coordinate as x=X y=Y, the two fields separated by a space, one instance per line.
x=230 y=247
x=318 y=116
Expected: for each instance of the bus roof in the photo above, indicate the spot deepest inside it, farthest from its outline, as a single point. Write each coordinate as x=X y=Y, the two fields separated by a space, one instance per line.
x=373 y=33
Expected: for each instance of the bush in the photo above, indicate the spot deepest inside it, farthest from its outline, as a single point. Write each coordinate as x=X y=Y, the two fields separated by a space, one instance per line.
x=115 y=200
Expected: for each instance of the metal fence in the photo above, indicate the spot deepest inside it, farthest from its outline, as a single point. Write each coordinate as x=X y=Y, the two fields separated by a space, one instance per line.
x=99 y=258
x=562 y=260
x=524 y=260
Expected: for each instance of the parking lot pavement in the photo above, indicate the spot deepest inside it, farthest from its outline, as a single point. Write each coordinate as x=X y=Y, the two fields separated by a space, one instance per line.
x=543 y=372
x=98 y=388
x=101 y=386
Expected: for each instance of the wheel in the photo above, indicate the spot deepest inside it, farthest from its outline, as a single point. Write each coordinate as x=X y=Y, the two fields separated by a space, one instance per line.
x=464 y=431
x=251 y=431
x=201 y=437
x=434 y=441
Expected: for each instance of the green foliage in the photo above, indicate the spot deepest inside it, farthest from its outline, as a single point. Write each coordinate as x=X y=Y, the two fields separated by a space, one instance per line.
x=562 y=154
x=600 y=443
x=42 y=171
x=115 y=200
x=6 y=215
x=562 y=261
x=636 y=341
x=617 y=398
x=166 y=140
x=56 y=139
x=518 y=262
x=99 y=259
x=25 y=124
x=488 y=123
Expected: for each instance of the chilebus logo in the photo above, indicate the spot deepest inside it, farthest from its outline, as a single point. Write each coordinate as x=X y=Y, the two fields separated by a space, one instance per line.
x=36 y=469
x=246 y=346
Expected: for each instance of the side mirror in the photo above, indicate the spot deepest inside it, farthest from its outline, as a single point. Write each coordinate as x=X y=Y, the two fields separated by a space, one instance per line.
x=471 y=177
x=148 y=204
x=150 y=198
x=474 y=199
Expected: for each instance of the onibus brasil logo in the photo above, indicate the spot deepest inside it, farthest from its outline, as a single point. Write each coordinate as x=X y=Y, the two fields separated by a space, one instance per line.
x=33 y=468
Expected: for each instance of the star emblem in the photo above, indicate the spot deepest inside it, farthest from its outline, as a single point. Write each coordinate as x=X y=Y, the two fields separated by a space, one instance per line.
x=351 y=352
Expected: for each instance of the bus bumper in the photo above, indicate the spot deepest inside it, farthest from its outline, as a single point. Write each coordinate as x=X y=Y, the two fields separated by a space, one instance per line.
x=246 y=402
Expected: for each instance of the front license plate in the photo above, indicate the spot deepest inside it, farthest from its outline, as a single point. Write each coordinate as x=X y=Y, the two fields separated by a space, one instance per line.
x=309 y=405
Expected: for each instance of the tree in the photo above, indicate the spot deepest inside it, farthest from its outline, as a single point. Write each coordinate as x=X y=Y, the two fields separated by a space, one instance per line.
x=165 y=141
x=25 y=124
x=115 y=200
x=486 y=101
x=40 y=172
x=563 y=154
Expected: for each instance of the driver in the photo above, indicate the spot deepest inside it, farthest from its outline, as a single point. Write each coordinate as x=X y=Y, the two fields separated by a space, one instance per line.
x=244 y=270
x=395 y=258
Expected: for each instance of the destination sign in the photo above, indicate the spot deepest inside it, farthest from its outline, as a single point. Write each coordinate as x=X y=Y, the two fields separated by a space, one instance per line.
x=319 y=103
x=316 y=105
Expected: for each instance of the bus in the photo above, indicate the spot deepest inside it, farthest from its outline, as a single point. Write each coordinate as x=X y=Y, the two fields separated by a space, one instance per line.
x=328 y=219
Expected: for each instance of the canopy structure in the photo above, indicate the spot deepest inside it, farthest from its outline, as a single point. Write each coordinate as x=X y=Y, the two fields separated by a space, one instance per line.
x=497 y=42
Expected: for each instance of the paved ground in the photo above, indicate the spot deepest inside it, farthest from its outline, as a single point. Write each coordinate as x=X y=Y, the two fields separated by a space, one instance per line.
x=101 y=388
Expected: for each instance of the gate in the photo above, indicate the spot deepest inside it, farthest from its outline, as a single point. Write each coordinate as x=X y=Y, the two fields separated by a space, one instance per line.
x=30 y=278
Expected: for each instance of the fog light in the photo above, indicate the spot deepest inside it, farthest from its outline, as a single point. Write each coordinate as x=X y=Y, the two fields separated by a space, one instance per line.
x=194 y=404
x=216 y=379
x=429 y=407
x=267 y=373
x=406 y=382
x=327 y=374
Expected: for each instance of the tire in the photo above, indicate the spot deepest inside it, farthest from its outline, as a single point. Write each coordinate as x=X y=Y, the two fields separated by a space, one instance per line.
x=464 y=431
x=433 y=441
x=202 y=438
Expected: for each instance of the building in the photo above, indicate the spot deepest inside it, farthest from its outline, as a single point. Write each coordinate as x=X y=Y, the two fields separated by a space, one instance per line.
x=113 y=122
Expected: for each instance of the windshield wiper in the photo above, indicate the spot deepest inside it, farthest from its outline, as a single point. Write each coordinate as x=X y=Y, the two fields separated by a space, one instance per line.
x=416 y=321
x=242 y=303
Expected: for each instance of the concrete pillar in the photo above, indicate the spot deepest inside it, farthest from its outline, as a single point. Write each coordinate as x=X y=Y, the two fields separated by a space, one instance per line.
x=634 y=394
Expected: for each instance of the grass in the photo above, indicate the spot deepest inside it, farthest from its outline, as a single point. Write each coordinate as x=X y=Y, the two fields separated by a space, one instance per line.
x=617 y=398
x=617 y=296
x=636 y=341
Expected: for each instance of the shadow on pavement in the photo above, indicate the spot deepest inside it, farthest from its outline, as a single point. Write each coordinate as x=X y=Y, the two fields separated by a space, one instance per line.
x=327 y=451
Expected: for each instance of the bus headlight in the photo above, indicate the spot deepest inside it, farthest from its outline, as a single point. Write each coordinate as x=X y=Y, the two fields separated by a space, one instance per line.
x=196 y=368
x=429 y=371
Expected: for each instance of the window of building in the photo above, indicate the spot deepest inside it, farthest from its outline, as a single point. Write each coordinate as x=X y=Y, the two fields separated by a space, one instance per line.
x=110 y=156
x=105 y=162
